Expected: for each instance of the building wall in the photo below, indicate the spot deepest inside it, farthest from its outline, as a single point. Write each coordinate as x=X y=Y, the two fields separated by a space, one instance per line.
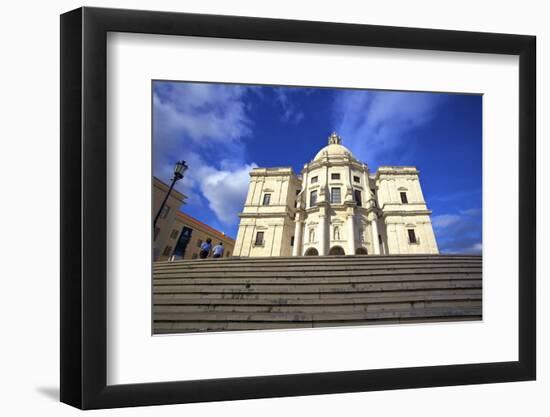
x=399 y=217
x=200 y=232
x=273 y=217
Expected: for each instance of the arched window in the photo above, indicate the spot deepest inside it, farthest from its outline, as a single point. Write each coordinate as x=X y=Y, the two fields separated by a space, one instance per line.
x=336 y=233
x=311 y=235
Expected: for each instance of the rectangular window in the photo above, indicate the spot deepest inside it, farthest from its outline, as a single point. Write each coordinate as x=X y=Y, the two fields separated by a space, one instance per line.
x=412 y=236
x=267 y=199
x=356 y=178
x=404 y=197
x=292 y=241
x=164 y=212
x=334 y=176
x=199 y=243
x=357 y=195
x=314 y=179
x=313 y=198
x=259 y=239
x=174 y=234
x=335 y=196
x=167 y=251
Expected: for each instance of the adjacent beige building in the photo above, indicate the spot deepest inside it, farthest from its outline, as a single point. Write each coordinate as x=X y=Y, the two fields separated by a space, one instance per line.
x=336 y=206
x=163 y=228
x=178 y=235
x=189 y=234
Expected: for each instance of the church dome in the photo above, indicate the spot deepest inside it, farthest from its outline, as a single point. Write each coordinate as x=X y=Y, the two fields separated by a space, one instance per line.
x=334 y=149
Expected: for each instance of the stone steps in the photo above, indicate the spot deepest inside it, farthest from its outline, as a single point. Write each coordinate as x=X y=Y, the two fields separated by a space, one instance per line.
x=312 y=297
x=318 y=308
x=320 y=271
x=403 y=297
x=298 y=292
x=271 y=279
x=314 y=287
x=301 y=316
x=281 y=298
x=315 y=261
x=337 y=263
x=329 y=257
x=398 y=317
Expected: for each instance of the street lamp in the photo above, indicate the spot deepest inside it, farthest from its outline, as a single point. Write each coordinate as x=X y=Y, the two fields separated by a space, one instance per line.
x=179 y=170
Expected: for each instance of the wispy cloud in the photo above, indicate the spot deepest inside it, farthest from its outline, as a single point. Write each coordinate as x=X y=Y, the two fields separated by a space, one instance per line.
x=291 y=113
x=456 y=196
x=445 y=220
x=374 y=123
x=459 y=233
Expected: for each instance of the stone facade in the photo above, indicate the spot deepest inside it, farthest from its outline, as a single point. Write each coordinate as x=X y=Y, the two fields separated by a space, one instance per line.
x=335 y=207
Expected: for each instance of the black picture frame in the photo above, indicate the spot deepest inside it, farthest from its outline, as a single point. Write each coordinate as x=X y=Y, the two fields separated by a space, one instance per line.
x=84 y=207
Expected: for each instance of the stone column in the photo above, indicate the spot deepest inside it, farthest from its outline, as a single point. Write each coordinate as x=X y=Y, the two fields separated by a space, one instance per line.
x=322 y=234
x=298 y=227
x=374 y=230
x=351 y=234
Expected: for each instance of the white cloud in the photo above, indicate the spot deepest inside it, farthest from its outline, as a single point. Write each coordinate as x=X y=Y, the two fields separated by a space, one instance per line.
x=374 y=123
x=471 y=212
x=445 y=220
x=199 y=123
x=202 y=113
x=226 y=191
x=222 y=189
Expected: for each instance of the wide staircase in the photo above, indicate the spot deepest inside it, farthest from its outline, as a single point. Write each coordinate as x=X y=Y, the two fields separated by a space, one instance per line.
x=300 y=292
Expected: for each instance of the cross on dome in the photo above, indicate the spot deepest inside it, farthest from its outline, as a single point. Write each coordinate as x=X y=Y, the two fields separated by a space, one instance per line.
x=334 y=139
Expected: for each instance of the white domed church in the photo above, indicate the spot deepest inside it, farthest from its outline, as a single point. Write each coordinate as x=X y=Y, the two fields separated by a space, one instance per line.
x=336 y=206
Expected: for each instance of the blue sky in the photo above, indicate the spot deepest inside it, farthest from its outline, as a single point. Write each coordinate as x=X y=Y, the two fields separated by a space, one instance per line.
x=224 y=130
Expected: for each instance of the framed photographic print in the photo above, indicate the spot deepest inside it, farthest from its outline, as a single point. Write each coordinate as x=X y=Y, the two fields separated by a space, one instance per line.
x=258 y=207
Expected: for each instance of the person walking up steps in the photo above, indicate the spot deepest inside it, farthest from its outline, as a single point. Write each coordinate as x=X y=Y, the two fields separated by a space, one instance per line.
x=206 y=247
x=217 y=252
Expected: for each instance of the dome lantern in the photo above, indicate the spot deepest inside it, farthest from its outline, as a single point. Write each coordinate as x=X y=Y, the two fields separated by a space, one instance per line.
x=334 y=139
x=334 y=149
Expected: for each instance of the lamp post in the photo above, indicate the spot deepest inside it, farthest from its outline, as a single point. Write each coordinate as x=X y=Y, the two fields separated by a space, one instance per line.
x=179 y=170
